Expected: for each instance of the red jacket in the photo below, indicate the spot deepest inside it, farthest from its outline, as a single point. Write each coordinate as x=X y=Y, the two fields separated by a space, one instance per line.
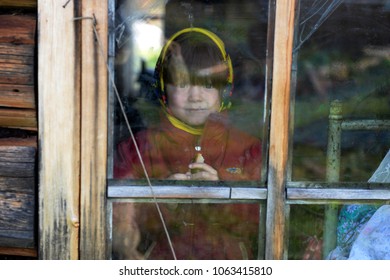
x=197 y=231
x=167 y=150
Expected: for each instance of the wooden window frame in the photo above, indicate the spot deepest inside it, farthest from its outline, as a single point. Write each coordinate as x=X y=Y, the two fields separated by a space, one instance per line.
x=165 y=191
x=73 y=113
x=73 y=130
x=72 y=94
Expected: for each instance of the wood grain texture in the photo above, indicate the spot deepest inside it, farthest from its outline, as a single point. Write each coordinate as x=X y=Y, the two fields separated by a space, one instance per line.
x=17 y=192
x=279 y=132
x=18 y=118
x=339 y=196
x=94 y=131
x=17 y=96
x=16 y=49
x=22 y=185
x=19 y=3
x=16 y=211
x=17 y=29
x=59 y=130
x=17 y=71
x=12 y=251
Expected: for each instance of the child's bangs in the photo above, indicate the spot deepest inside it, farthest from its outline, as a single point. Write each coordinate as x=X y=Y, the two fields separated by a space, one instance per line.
x=205 y=65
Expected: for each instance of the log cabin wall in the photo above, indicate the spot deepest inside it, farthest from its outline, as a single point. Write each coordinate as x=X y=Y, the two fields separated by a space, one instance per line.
x=68 y=175
x=18 y=130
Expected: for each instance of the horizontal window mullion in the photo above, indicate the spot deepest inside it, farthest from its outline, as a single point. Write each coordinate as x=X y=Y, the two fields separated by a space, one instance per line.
x=167 y=192
x=336 y=194
x=339 y=185
x=184 y=192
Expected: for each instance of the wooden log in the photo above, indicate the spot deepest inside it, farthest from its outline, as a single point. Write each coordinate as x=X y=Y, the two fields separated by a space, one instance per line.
x=16 y=78
x=16 y=212
x=17 y=44
x=19 y=142
x=17 y=47
x=17 y=157
x=17 y=74
x=17 y=96
x=12 y=184
x=16 y=169
x=16 y=118
x=19 y=3
x=12 y=61
x=17 y=29
x=20 y=50
x=16 y=63
x=17 y=219
x=13 y=77
x=17 y=192
x=25 y=252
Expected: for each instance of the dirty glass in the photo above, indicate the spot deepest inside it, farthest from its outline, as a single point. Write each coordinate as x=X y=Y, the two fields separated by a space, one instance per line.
x=232 y=139
x=194 y=231
x=341 y=74
x=340 y=121
x=190 y=86
x=360 y=231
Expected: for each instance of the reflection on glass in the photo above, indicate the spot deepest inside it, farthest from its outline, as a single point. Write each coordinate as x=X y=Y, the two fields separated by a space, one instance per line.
x=362 y=231
x=305 y=232
x=342 y=52
x=341 y=70
x=191 y=78
x=196 y=231
x=195 y=100
x=193 y=139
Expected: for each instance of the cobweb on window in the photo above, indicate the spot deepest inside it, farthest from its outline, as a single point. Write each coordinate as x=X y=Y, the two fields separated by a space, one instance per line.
x=382 y=174
x=313 y=17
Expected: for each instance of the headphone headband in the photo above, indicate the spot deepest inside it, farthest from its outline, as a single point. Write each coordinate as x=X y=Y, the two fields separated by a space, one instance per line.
x=219 y=43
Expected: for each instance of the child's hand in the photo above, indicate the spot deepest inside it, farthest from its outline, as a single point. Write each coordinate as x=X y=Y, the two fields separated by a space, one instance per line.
x=179 y=176
x=204 y=172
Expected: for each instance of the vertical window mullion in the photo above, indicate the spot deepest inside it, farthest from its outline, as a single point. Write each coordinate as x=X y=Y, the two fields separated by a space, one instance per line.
x=279 y=129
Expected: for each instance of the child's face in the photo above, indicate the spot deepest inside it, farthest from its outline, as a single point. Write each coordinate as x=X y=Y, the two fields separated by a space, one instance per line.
x=192 y=104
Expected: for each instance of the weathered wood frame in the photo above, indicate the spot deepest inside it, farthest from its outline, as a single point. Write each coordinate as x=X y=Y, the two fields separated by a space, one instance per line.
x=72 y=89
x=73 y=134
x=279 y=129
x=59 y=131
x=72 y=130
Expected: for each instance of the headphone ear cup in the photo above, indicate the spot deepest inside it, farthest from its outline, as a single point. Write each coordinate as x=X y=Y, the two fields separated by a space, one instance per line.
x=227 y=92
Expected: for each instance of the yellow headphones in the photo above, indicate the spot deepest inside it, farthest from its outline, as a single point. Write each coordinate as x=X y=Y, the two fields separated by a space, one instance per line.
x=227 y=92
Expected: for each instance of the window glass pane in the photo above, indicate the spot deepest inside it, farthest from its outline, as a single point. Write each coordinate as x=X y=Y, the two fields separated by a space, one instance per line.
x=191 y=95
x=359 y=231
x=306 y=225
x=340 y=121
x=191 y=78
x=351 y=231
x=196 y=231
x=342 y=52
